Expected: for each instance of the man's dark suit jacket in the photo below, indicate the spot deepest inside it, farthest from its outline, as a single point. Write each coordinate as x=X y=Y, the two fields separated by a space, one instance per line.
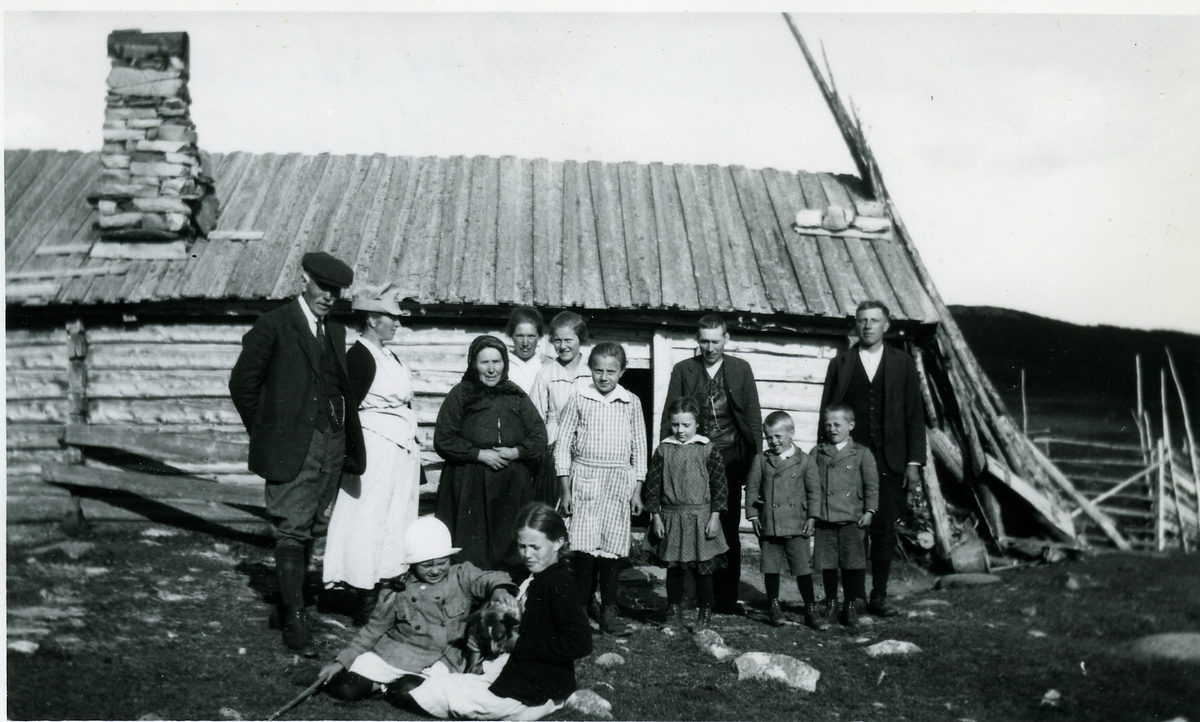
x=689 y=378
x=903 y=413
x=274 y=387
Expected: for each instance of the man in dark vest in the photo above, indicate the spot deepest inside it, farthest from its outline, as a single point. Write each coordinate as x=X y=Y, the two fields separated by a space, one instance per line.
x=881 y=384
x=290 y=387
x=724 y=388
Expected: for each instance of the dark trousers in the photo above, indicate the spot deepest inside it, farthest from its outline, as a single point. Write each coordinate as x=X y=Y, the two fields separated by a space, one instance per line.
x=892 y=501
x=727 y=580
x=299 y=509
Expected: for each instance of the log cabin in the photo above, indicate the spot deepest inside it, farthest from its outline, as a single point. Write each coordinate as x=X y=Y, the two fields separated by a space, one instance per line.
x=120 y=343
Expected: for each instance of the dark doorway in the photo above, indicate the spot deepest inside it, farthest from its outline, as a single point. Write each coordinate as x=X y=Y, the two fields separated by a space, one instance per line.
x=641 y=383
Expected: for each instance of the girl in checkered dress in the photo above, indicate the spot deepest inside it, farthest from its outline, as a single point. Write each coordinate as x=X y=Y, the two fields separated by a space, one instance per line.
x=685 y=495
x=601 y=463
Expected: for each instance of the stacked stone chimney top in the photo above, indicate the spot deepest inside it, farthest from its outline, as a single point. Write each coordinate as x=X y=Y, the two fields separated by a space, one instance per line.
x=153 y=186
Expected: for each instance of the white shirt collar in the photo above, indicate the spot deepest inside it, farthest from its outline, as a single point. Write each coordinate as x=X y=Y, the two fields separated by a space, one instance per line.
x=309 y=315
x=870 y=359
x=712 y=370
x=788 y=453
x=620 y=393
x=697 y=439
x=844 y=444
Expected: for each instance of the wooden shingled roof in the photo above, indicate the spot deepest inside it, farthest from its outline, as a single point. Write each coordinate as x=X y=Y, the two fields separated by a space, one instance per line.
x=485 y=231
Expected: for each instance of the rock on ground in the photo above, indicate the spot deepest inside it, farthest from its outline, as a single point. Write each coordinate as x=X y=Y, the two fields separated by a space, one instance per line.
x=958 y=581
x=24 y=646
x=790 y=671
x=892 y=646
x=587 y=702
x=1179 y=646
x=609 y=659
x=711 y=644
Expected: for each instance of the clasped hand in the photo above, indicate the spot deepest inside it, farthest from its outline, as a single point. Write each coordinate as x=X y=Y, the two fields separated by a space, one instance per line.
x=499 y=457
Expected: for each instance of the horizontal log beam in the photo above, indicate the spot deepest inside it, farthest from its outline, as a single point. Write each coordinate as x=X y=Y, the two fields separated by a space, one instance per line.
x=153 y=486
x=193 y=447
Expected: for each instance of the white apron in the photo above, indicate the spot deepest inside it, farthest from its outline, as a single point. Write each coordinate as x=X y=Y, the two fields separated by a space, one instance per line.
x=366 y=532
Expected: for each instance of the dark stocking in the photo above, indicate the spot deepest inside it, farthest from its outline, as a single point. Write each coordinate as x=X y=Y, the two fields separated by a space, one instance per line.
x=610 y=579
x=804 y=583
x=583 y=567
x=772 y=584
x=704 y=591
x=675 y=585
x=830 y=579
x=854 y=583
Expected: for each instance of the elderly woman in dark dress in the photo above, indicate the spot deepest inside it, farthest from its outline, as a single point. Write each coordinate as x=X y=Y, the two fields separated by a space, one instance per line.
x=491 y=436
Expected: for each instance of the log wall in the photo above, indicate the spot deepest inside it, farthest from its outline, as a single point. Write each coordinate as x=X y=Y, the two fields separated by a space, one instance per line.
x=789 y=371
x=173 y=378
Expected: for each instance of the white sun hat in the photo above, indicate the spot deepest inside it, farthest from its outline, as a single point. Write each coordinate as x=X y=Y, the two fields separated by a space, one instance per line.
x=427 y=538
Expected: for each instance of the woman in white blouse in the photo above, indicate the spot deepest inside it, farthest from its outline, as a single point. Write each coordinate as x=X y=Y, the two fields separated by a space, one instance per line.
x=525 y=328
x=373 y=511
x=556 y=383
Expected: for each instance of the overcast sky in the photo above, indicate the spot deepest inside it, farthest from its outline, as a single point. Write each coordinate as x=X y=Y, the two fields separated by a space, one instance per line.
x=1045 y=163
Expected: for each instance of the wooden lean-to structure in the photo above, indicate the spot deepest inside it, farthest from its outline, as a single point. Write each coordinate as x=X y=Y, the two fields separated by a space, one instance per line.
x=117 y=403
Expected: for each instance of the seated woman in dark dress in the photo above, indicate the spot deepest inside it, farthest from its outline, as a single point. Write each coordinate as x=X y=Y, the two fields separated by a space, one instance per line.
x=539 y=674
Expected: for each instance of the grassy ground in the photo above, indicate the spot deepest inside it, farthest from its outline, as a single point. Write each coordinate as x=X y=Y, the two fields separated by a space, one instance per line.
x=175 y=627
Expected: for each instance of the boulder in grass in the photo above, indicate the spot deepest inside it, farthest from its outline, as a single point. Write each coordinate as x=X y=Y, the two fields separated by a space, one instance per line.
x=610 y=659
x=587 y=702
x=1179 y=646
x=959 y=581
x=890 y=647
x=711 y=644
x=779 y=667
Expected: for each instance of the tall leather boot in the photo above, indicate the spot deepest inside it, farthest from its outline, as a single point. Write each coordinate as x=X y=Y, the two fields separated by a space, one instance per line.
x=289 y=566
x=364 y=604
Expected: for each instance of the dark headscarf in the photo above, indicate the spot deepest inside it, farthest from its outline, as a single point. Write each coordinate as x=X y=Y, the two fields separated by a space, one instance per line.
x=471 y=377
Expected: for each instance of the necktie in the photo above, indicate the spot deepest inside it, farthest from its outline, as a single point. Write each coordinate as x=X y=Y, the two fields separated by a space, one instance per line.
x=321 y=334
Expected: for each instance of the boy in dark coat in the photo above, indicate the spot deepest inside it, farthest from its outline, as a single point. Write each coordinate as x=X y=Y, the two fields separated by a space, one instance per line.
x=841 y=505
x=777 y=506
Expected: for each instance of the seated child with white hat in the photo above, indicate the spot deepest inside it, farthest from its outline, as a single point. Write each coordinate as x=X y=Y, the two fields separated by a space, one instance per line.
x=418 y=620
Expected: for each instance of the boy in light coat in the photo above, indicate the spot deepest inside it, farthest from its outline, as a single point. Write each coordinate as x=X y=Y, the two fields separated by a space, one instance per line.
x=841 y=505
x=777 y=506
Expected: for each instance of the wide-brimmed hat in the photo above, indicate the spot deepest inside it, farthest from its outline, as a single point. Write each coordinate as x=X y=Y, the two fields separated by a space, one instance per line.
x=427 y=538
x=380 y=299
x=326 y=269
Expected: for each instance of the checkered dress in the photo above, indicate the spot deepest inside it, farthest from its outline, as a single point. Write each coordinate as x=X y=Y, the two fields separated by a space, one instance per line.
x=603 y=450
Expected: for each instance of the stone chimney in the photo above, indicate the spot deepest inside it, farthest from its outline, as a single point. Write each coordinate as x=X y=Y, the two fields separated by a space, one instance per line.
x=153 y=186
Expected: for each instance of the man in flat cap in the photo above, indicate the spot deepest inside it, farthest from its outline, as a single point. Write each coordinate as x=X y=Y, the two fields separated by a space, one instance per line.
x=291 y=388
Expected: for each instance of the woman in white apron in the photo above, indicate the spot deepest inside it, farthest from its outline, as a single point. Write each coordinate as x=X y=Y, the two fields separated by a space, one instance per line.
x=373 y=511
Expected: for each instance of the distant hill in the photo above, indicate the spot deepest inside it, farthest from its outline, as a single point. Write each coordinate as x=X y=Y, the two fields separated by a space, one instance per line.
x=1080 y=379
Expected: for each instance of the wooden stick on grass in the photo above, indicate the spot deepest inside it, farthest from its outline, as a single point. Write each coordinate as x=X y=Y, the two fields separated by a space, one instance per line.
x=308 y=692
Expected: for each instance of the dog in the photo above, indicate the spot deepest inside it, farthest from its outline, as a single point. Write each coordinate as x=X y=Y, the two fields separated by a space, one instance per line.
x=491 y=631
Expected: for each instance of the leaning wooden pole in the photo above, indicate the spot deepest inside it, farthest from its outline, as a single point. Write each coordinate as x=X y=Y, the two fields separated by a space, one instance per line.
x=1169 y=462
x=1143 y=432
x=1193 y=452
x=989 y=399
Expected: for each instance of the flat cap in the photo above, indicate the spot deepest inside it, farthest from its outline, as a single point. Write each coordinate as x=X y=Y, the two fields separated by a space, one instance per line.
x=324 y=268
